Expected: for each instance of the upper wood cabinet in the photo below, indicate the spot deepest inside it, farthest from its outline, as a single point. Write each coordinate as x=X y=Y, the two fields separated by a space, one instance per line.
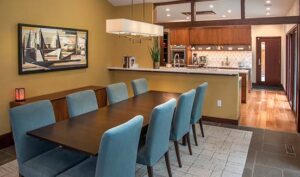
x=179 y=36
x=221 y=35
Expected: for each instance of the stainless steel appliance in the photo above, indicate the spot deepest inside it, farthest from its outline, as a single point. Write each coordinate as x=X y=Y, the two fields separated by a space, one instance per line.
x=178 y=56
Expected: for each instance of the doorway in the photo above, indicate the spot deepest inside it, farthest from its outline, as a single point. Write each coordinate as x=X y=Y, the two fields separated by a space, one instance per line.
x=292 y=70
x=268 y=61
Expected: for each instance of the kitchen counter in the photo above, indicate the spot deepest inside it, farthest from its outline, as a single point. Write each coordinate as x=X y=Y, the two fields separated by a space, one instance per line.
x=223 y=86
x=205 y=71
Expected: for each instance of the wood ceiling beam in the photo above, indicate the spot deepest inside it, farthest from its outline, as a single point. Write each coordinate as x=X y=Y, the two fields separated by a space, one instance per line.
x=243 y=9
x=236 y=22
x=178 y=2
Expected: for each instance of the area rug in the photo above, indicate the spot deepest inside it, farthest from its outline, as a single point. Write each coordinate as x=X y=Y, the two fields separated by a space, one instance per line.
x=222 y=153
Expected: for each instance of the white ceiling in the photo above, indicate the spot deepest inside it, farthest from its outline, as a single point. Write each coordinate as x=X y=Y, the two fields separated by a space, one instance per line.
x=254 y=9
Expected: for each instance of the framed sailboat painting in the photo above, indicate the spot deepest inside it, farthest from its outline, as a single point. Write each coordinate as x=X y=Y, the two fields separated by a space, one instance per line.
x=44 y=48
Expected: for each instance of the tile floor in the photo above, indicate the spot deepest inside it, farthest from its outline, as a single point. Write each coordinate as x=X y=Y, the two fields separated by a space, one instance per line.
x=266 y=157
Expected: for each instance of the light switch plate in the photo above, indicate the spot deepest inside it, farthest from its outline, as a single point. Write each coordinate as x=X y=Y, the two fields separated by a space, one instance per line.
x=219 y=103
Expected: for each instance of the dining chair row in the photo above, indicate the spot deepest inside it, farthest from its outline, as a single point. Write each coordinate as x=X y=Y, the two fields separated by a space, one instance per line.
x=86 y=101
x=118 y=92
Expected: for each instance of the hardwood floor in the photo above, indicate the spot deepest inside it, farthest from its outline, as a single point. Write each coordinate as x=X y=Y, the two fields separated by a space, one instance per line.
x=268 y=110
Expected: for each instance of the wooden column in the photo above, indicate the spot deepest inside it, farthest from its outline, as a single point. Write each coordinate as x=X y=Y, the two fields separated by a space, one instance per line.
x=193 y=11
x=243 y=9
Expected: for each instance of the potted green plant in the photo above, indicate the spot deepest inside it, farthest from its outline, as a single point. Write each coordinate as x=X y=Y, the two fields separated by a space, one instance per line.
x=155 y=53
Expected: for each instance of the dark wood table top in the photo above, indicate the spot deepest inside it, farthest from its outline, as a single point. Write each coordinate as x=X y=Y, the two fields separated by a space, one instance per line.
x=84 y=132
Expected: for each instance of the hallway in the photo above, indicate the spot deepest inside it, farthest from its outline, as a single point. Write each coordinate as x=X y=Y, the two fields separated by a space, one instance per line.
x=268 y=110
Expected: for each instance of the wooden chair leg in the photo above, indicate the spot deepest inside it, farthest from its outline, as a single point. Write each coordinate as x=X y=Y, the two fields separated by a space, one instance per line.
x=177 y=153
x=150 y=171
x=194 y=134
x=187 y=137
x=168 y=163
x=201 y=127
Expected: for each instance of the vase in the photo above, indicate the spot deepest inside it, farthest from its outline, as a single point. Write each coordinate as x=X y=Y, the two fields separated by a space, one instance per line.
x=156 y=65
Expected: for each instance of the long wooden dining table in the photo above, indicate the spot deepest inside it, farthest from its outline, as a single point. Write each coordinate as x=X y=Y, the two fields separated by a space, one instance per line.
x=83 y=133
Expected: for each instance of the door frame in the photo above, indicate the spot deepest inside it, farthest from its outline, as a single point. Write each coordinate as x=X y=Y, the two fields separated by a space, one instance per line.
x=258 y=56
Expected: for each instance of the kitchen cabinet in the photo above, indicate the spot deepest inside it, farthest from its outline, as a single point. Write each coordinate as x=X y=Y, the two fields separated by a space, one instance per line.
x=237 y=35
x=179 y=36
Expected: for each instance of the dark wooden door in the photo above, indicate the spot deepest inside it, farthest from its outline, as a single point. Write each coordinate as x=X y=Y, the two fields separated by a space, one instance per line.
x=268 y=61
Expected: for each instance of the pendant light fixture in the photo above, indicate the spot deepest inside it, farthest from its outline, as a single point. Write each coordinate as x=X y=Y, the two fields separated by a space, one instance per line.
x=132 y=28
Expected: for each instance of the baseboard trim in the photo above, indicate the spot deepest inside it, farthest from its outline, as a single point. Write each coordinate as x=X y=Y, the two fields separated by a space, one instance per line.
x=6 y=140
x=220 y=120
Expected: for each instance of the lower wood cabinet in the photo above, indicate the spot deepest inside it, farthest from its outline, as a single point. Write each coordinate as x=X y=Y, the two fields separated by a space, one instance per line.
x=59 y=101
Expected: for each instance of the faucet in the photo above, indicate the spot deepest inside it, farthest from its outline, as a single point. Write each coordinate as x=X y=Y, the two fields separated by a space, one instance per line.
x=176 y=57
x=227 y=63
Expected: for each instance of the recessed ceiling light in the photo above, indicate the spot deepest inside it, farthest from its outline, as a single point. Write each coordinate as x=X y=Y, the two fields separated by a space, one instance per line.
x=268 y=1
x=268 y=13
x=168 y=15
x=168 y=9
x=229 y=10
x=211 y=6
x=268 y=8
x=223 y=16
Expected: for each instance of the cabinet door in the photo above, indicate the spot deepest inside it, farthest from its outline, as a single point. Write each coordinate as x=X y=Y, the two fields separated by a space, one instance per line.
x=241 y=35
x=179 y=36
x=197 y=36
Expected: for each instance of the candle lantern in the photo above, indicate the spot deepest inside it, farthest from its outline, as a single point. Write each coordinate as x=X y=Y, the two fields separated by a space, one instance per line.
x=20 y=94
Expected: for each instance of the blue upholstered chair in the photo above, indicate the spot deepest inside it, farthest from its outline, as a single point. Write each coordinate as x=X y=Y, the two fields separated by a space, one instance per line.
x=181 y=123
x=117 y=153
x=139 y=86
x=157 y=138
x=82 y=102
x=117 y=92
x=37 y=158
x=197 y=109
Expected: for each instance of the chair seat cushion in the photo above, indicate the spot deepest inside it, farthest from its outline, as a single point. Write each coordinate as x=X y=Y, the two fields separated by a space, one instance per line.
x=87 y=169
x=51 y=163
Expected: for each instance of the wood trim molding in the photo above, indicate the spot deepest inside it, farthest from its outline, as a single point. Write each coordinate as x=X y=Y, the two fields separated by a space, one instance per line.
x=220 y=120
x=235 y=22
x=6 y=140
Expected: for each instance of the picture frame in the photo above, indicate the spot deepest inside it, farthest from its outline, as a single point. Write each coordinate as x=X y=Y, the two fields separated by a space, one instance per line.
x=47 y=48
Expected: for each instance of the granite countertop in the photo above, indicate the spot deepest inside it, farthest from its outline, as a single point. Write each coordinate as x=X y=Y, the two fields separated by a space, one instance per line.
x=206 y=71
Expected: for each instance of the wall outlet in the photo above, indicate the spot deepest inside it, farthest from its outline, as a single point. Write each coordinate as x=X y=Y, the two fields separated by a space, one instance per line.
x=219 y=103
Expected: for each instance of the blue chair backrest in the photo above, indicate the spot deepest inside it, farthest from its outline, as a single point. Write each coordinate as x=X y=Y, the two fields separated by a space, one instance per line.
x=26 y=118
x=139 y=86
x=158 y=135
x=198 y=103
x=118 y=150
x=82 y=102
x=117 y=92
x=182 y=116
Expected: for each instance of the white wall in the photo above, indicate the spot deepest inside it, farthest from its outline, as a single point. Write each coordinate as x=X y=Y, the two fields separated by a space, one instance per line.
x=294 y=11
x=269 y=31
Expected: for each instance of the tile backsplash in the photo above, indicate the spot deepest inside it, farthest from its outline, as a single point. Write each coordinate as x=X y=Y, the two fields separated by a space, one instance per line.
x=235 y=58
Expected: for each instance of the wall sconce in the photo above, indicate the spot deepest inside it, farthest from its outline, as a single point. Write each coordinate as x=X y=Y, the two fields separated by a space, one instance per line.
x=20 y=94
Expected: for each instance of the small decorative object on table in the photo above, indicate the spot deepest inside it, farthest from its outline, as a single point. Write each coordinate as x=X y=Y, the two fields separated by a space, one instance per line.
x=19 y=94
x=155 y=53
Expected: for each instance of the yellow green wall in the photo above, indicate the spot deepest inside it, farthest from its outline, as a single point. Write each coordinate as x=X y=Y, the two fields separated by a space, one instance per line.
x=82 y=14
x=223 y=88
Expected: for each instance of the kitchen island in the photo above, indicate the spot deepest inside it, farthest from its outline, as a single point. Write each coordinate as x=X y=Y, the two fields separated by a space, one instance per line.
x=222 y=101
